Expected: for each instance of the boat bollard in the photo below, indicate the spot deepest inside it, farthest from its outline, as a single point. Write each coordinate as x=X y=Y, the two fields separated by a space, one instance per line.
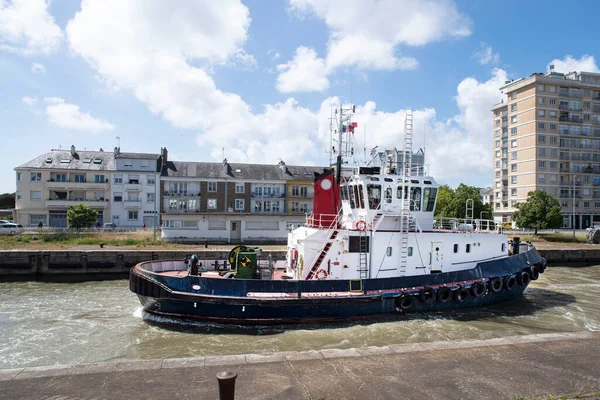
x=226 y=385
x=516 y=245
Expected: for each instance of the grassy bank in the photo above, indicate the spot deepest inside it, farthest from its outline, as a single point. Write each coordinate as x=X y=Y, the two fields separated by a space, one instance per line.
x=558 y=237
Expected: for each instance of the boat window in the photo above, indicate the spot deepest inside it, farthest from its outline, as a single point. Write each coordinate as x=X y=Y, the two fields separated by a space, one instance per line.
x=455 y=248
x=503 y=247
x=414 y=181
x=399 y=193
x=344 y=192
x=410 y=251
x=388 y=194
x=374 y=196
x=373 y=178
x=415 y=199
x=351 y=196
x=427 y=182
x=388 y=179
x=389 y=251
x=361 y=201
x=468 y=247
x=429 y=198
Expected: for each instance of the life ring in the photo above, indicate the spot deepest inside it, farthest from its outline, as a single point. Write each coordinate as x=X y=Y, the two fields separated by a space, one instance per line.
x=509 y=282
x=495 y=285
x=460 y=295
x=321 y=274
x=427 y=295
x=478 y=290
x=361 y=225
x=404 y=302
x=523 y=278
x=444 y=294
x=294 y=255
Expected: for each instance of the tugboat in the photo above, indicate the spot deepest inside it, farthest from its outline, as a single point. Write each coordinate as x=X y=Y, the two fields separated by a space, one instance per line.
x=370 y=248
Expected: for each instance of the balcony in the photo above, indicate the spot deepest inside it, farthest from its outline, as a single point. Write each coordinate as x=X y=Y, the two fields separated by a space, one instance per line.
x=133 y=187
x=69 y=203
x=572 y=119
x=181 y=194
x=76 y=185
x=182 y=211
x=132 y=204
x=269 y=196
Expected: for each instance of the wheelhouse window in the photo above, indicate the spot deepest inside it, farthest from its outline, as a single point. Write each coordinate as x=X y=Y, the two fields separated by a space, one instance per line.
x=429 y=198
x=374 y=196
x=351 y=196
x=344 y=192
x=415 y=198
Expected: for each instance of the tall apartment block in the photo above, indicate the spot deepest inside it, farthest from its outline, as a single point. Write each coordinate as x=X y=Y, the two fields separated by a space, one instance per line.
x=547 y=137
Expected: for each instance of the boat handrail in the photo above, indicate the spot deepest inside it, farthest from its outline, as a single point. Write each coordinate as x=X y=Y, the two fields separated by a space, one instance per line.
x=326 y=221
x=466 y=225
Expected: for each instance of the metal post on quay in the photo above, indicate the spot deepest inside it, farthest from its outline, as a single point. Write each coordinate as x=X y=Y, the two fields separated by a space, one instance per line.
x=226 y=385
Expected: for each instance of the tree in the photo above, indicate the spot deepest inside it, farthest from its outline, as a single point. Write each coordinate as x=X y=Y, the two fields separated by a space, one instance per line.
x=7 y=200
x=540 y=211
x=451 y=203
x=81 y=216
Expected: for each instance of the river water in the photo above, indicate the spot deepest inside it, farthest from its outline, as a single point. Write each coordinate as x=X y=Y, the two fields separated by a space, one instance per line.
x=61 y=324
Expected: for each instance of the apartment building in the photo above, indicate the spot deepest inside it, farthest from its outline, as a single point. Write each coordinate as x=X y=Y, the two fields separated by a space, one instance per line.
x=547 y=137
x=233 y=202
x=135 y=190
x=51 y=183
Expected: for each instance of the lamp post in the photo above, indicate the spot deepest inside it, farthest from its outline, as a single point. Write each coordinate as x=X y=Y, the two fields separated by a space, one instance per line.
x=574 y=177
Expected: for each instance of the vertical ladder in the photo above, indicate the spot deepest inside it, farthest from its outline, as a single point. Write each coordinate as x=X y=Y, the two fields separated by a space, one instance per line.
x=363 y=267
x=405 y=217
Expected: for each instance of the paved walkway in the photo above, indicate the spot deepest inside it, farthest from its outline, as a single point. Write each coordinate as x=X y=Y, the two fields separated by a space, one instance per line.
x=504 y=368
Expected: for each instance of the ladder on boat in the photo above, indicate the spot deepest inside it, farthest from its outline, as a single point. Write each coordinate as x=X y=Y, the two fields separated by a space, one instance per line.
x=363 y=265
x=405 y=217
x=331 y=234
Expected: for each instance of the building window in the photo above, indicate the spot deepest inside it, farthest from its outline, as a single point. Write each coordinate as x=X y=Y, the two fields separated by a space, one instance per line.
x=552 y=89
x=513 y=95
x=513 y=119
x=542 y=151
x=541 y=139
x=118 y=179
x=553 y=164
x=132 y=215
x=150 y=179
x=98 y=178
x=239 y=204
x=145 y=164
x=497 y=174
x=552 y=101
x=513 y=107
x=127 y=163
x=541 y=164
x=150 y=197
x=212 y=187
x=513 y=192
x=541 y=100
x=497 y=122
x=275 y=206
x=553 y=128
x=513 y=143
x=541 y=113
x=552 y=114
x=540 y=88
x=513 y=155
x=513 y=179
x=586 y=104
x=296 y=187
x=513 y=131
x=497 y=153
x=586 y=117
x=240 y=188
x=118 y=196
x=497 y=132
x=79 y=178
x=211 y=204
x=541 y=178
x=35 y=176
x=295 y=206
x=541 y=126
x=586 y=204
x=35 y=195
x=19 y=176
x=513 y=167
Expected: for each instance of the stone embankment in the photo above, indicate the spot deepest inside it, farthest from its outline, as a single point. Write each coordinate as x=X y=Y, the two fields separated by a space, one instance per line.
x=114 y=263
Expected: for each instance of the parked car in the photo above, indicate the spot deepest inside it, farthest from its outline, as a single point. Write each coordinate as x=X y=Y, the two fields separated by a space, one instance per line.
x=9 y=228
x=109 y=225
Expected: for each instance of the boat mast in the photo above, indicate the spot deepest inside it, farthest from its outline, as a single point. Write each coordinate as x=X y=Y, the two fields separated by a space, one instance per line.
x=345 y=129
x=405 y=217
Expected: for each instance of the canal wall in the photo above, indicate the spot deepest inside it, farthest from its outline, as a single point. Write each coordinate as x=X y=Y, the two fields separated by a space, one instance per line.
x=85 y=265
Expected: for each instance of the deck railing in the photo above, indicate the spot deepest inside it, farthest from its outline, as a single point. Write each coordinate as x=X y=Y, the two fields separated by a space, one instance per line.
x=467 y=225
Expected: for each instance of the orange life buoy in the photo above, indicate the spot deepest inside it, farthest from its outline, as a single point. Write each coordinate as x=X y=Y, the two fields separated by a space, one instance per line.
x=294 y=254
x=361 y=225
x=321 y=274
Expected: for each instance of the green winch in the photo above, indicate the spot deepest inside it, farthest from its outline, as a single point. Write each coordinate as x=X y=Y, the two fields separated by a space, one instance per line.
x=243 y=262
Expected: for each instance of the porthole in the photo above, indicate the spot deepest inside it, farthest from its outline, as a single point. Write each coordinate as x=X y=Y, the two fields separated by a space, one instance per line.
x=468 y=249
x=455 y=248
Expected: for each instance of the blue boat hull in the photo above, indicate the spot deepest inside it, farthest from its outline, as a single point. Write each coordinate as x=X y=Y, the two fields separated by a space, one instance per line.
x=232 y=300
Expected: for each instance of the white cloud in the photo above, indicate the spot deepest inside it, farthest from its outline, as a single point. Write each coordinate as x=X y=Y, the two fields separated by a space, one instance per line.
x=485 y=55
x=274 y=54
x=304 y=73
x=569 y=64
x=243 y=61
x=367 y=35
x=26 y=27
x=38 y=68
x=30 y=100
x=69 y=116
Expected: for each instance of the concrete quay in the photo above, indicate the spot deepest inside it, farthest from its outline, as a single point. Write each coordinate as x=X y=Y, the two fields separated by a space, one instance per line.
x=531 y=366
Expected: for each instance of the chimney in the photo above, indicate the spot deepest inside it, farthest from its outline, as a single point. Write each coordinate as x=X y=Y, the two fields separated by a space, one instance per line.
x=283 y=166
x=117 y=151
x=164 y=154
x=226 y=167
x=73 y=150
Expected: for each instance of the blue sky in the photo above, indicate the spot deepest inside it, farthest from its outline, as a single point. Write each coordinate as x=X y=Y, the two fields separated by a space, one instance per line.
x=258 y=78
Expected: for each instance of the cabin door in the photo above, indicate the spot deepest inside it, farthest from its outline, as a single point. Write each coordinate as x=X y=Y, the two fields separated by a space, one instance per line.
x=437 y=256
x=235 y=232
